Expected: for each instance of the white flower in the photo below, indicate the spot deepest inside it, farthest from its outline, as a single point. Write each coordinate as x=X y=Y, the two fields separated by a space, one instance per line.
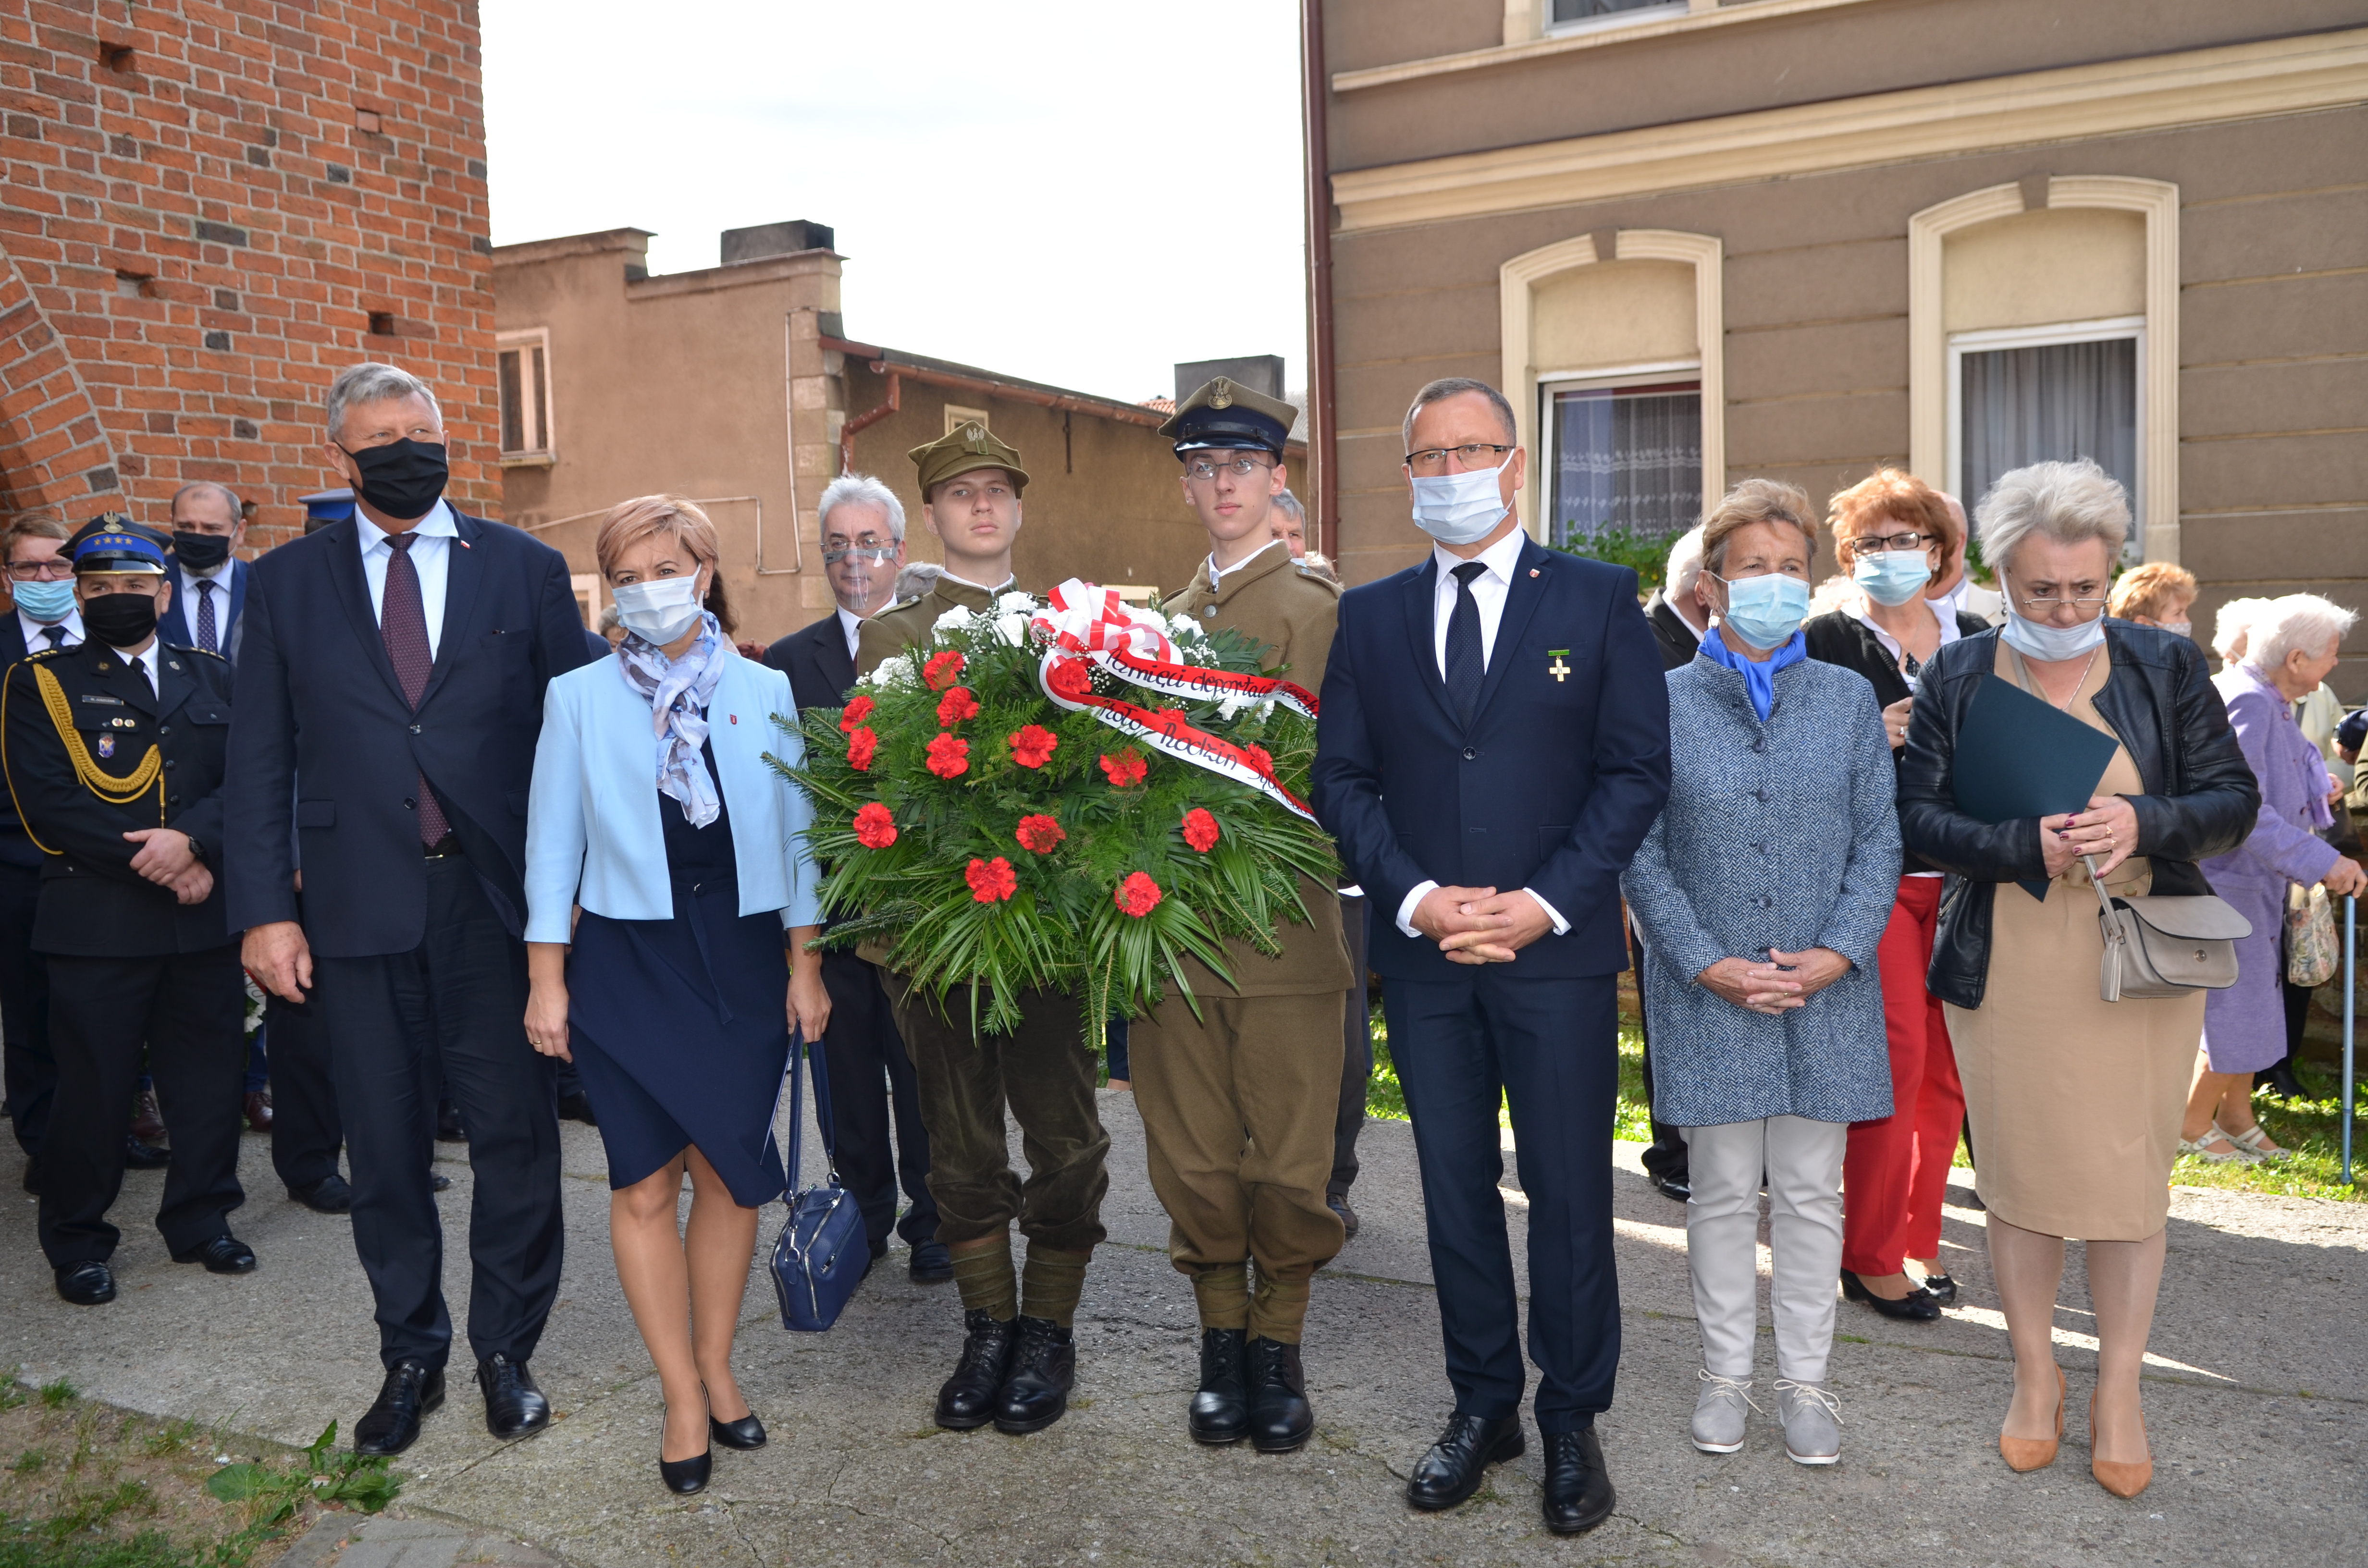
x=1017 y=604
x=1232 y=703
x=1184 y=629
x=894 y=672
x=958 y=618
x=1012 y=628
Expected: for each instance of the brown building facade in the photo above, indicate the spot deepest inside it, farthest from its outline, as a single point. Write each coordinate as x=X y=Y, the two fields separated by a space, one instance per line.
x=1808 y=238
x=211 y=209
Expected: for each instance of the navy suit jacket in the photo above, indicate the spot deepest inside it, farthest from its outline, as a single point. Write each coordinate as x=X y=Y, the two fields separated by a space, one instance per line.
x=316 y=701
x=816 y=659
x=1551 y=786
x=177 y=627
x=15 y=848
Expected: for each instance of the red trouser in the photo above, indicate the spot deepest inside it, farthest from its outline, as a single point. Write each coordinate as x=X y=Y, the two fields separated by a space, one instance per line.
x=1898 y=1168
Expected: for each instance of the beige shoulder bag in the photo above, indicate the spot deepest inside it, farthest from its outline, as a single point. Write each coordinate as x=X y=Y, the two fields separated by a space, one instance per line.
x=2165 y=947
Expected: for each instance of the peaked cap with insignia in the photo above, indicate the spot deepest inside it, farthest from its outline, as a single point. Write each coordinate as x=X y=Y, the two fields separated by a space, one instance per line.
x=967 y=446
x=1227 y=415
x=113 y=543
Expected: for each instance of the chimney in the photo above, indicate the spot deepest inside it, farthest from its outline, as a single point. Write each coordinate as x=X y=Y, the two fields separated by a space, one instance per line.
x=1260 y=372
x=767 y=240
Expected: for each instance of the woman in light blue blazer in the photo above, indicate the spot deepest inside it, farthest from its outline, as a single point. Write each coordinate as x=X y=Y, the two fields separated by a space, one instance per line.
x=655 y=810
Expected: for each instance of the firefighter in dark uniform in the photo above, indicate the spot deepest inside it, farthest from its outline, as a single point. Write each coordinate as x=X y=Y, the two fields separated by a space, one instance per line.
x=113 y=754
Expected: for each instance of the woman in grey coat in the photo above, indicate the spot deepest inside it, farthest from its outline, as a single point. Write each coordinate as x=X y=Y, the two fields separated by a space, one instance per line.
x=1762 y=893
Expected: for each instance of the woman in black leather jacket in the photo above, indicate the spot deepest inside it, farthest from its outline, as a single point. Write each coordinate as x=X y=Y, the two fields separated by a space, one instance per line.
x=2074 y=1102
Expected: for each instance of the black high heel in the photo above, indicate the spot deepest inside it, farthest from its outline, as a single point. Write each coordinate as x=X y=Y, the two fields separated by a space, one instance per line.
x=1941 y=1287
x=684 y=1476
x=745 y=1433
x=1914 y=1307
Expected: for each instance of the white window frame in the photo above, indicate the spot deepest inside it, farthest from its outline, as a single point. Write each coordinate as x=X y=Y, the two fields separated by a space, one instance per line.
x=524 y=342
x=2104 y=329
x=1548 y=28
x=1592 y=380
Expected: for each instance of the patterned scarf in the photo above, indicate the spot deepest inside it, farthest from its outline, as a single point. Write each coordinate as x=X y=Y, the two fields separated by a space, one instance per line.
x=678 y=692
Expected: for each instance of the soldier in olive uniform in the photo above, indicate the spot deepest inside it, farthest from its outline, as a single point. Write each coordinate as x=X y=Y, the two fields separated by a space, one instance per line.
x=1018 y=1360
x=113 y=754
x=1238 y=1104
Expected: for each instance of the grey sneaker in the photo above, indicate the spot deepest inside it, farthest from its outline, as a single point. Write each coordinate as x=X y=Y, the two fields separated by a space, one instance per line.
x=1812 y=1417
x=1718 y=1412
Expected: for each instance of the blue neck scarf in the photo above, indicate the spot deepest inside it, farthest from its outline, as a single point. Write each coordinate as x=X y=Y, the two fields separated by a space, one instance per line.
x=1758 y=679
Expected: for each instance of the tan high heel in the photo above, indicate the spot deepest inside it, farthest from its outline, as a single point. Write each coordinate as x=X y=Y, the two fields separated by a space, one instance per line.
x=2023 y=1455
x=2121 y=1480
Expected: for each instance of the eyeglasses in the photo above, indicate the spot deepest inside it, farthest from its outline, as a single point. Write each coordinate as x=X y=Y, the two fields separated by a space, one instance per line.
x=1875 y=544
x=2051 y=603
x=54 y=569
x=1475 y=454
x=1205 y=469
x=860 y=553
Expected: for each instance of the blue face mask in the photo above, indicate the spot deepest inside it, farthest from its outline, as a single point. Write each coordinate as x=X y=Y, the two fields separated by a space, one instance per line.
x=1765 y=611
x=45 y=602
x=1893 y=577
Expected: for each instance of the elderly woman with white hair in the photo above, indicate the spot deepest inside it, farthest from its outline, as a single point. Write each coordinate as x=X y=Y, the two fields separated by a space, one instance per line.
x=2229 y=627
x=2290 y=647
x=2074 y=1102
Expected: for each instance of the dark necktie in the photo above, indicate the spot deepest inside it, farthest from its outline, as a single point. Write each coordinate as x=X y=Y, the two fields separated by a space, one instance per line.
x=1465 y=664
x=402 y=623
x=206 y=635
x=56 y=634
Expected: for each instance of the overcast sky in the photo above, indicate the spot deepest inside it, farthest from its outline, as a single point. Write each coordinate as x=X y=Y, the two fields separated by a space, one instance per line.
x=1079 y=193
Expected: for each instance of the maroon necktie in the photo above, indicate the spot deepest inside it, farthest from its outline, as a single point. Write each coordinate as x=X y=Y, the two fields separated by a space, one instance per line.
x=403 y=622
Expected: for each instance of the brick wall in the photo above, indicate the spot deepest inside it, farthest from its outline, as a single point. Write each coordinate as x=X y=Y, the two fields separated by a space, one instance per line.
x=211 y=208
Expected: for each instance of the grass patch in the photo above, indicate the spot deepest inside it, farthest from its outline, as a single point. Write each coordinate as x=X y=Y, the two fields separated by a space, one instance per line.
x=86 y=1485
x=1385 y=1096
x=2312 y=1127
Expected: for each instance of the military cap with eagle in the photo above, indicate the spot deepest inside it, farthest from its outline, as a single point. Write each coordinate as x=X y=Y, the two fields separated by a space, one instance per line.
x=1226 y=415
x=113 y=543
x=969 y=444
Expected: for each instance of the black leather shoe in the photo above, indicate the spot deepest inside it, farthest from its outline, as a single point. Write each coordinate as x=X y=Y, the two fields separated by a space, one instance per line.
x=439 y=1182
x=448 y=1123
x=1941 y=1287
x=225 y=1254
x=33 y=1174
x=410 y=1392
x=86 y=1284
x=688 y=1475
x=514 y=1406
x=1676 y=1187
x=330 y=1195
x=577 y=1107
x=139 y=1157
x=1459 y=1461
x=1339 y=1204
x=1281 y=1418
x=932 y=1264
x=1578 y=1489
x=1036 y=1389
x=745 y=1433
x=1914 y=1307
x=967 y=1399
x=1220 y=1411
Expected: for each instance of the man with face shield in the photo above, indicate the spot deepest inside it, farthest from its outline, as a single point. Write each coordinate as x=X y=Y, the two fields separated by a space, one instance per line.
x=113 y=751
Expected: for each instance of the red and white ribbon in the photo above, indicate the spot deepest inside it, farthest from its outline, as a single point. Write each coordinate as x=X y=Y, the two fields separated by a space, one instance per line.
x=1068 y=680
x=1085 y=619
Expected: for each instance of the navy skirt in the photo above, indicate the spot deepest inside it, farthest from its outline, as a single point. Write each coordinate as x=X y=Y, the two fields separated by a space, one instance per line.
x=681 y=1032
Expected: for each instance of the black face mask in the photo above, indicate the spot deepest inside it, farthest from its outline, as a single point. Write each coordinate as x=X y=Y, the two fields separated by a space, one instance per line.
x=201 y=553
x=402 y=479
x=121 y=620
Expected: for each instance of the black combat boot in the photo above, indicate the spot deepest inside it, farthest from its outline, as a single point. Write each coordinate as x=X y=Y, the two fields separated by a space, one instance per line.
x=1220 y=1410
x=967 y=1400
x=1280 y=1417
x=1036 y=1387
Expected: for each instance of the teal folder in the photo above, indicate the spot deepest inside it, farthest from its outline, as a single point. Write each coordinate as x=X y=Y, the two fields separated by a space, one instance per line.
x=2017 y=756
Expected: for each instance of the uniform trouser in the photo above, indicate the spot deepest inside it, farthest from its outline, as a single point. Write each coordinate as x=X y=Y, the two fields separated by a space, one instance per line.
x=306 y=1132
x=461 y=992
x=1238 y=1107
x=1803 y=1162
x=1550 y=1049
x=187 y=1010
x=1897 y=1172
x=863 y=1046
x=1044 y=1071
x=31 y=1073
x=1666 y=1155
x=1356 y=1054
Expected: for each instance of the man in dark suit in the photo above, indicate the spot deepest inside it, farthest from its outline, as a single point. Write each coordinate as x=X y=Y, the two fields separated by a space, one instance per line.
x=394 y=666
x=1494 y=744
x=862 y=546
x=113 y=752
x=209 y=579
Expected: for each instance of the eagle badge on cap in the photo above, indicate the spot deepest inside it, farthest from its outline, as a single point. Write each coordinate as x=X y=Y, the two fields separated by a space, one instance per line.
x=1221 y=393
x=971 y=432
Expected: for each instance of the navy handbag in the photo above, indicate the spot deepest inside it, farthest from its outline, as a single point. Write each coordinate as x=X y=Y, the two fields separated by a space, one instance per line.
x=822 y=1252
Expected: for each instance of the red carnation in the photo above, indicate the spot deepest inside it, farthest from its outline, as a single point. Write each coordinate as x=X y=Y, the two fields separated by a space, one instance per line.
x=949 y=755
x=1260 y=758
x=1070 y=679
x=956 y=706
x=1032 y=745
x=993 y=880
x=874 y=828
x=1200 y=830
x=859 y=747
x=1039 y=833
x=942 y=670
x=1126 y=769
x=857 y=709
x=1138 y=896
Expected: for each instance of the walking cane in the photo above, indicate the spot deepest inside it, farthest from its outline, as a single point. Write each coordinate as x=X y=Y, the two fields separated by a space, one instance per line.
x=2350 y=1010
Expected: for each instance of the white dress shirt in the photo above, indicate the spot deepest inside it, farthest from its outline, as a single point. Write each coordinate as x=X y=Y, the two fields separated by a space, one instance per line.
x=1217 y=574
x=431 y=555
x=852 y=624
x=1488 y=591
x=185 y=594
x=35 y=641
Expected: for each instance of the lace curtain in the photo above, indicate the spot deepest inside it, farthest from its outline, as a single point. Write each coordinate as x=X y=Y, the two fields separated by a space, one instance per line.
x=1627 y=460
x=2058 y=401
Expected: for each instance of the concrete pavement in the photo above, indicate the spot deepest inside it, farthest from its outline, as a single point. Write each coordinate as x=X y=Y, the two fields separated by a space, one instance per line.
x=2259 y=1387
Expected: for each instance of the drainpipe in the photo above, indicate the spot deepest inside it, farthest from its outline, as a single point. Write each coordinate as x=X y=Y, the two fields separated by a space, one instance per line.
x=1314 y=99
x=867 y=418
